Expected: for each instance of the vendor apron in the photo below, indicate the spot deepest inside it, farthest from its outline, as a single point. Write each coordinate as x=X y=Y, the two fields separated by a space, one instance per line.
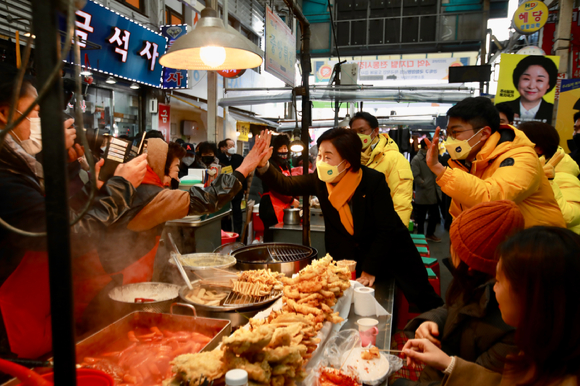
x=141 y=270
x=280 y=201
x=89 y=279
x=25 y=306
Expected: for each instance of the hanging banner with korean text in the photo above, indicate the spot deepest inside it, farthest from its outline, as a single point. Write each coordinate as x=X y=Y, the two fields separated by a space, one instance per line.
x=530 y=17
x=244 y=129
x=527 y=86
x=165 y=121
x=549 y=36
x=568 y=109
x=116 y=45
x=404 y=69
x=280 y=55
x=172 y=78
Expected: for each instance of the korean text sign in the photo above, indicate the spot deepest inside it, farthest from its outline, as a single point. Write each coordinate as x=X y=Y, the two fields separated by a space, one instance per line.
x=404 y=69
x=127 y=50
x=530 y=17
x=280 y=48
x=173 y=78
x=527 y=85
x=568 y=105
x=165 y=121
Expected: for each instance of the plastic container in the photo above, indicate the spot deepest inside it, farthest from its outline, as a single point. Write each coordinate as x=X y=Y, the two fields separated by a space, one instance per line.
x=237 y=377
x=229 y=237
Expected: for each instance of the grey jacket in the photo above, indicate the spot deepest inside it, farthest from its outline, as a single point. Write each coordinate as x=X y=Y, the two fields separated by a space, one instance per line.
x=427 y=192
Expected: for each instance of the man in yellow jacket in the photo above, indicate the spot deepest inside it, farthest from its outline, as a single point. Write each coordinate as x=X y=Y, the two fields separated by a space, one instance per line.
x=490 y=162
x=381 y=153
x=562 y=171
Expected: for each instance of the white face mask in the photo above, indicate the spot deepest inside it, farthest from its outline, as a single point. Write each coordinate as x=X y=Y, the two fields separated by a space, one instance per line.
x=188 y=160
x=232 y=150
x=32 y=145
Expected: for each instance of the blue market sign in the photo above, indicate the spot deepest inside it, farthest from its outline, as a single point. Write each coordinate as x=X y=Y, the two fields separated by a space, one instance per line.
x=173 y=78
x=128 y=50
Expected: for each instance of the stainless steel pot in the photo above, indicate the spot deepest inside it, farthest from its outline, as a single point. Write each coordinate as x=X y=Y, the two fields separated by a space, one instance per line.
x=134 y=297
x=292 y=216
x=279 y=257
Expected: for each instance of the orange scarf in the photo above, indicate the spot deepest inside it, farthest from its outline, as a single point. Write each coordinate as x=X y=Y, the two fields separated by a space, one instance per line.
x=340 y=195
x=151 y=178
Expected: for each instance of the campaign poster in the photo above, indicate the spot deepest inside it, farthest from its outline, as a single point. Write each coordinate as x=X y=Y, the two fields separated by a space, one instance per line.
x=568 y=106
x=527 y=84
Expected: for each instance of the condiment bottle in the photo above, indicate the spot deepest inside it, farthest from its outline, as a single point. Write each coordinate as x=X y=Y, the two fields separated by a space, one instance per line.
x=237 y=377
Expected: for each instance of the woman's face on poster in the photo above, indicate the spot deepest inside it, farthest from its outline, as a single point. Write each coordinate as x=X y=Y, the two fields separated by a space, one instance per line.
x=534 y=83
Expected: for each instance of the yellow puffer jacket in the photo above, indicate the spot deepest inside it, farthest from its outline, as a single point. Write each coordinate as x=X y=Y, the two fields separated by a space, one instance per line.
x=383 y=155
x=566 y=188
x=506 y=168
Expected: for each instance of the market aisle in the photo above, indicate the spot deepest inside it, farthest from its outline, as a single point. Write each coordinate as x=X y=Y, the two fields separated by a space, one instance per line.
x=440 y=251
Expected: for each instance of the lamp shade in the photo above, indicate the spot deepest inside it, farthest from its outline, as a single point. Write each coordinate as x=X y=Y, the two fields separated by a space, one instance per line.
x=204 y=47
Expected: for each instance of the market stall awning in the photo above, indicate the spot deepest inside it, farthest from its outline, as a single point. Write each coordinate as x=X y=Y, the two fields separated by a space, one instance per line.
x=240 y=117
x=417 y=94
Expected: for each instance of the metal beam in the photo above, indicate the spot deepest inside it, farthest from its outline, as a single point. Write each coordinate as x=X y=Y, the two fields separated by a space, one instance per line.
x=44 y=14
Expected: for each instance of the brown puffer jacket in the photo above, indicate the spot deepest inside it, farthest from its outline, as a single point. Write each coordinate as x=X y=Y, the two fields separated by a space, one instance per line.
x=474 y=331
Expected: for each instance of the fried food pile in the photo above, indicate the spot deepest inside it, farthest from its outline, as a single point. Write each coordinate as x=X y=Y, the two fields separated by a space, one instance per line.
x=334 y=377
x=372 y=353
x=205 y=296
x=257 y=283
x=275 y=350
x=267 y=353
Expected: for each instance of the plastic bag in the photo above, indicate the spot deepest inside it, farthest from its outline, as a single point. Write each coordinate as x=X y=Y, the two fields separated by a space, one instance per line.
x=341 y=344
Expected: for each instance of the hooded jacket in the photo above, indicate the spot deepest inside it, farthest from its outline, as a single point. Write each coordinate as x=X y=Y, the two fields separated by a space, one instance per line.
x=384 y=156
x=474 y=331
x=128 y=249
x=566 y=188
x=506 y=168
x=25 y=328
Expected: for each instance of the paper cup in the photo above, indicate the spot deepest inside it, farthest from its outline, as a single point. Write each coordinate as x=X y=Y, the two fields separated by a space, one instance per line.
x=366 y=324
x=350 y=265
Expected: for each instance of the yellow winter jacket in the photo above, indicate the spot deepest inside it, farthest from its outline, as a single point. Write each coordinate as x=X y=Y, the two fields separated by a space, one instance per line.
x=566 y=188
x=383 y=155
x=506 y=168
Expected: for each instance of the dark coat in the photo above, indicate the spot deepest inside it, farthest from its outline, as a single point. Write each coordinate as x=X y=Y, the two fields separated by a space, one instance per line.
x=544 y=112
x=475 y=332
x=381 y=244
x=427 y=192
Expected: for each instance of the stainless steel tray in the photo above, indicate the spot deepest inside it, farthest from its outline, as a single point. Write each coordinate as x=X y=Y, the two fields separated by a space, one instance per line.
x=205 y=261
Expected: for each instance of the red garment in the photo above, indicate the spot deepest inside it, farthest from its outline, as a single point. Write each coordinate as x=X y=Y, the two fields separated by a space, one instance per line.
x=25 y=306
x=280 y=201
x=141 y=270
x=89 y=278
x=151 y=178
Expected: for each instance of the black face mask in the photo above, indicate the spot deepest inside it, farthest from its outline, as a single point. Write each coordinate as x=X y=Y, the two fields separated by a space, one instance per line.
x=576 y=139
x=208 y=159
x=174 y=184
x=283 y=155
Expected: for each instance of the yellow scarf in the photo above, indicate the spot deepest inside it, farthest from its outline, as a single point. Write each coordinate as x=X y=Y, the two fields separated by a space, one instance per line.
x=340 y=195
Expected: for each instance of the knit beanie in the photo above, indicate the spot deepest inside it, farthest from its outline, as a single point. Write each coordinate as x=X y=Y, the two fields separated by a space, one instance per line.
x=477 y=232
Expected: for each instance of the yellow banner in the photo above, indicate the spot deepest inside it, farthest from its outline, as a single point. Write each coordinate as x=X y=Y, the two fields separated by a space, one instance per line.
x=244 y=130
x=530 y=17
x=527 y=85
x=568 y=106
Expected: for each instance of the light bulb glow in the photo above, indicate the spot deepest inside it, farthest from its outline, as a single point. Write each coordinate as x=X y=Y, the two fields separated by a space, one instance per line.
x=212 y=56
x=296 y=147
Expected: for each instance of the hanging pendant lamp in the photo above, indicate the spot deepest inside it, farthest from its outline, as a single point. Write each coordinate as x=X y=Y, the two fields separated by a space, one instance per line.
x=210 y=46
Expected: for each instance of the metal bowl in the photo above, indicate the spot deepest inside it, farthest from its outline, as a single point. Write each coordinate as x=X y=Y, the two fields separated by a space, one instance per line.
x=285 y=258
x=205 y=261
x=124 y=297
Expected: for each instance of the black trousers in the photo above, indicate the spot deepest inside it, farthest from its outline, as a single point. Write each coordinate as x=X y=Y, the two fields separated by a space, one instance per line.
x=236 y=204
x=434 y=218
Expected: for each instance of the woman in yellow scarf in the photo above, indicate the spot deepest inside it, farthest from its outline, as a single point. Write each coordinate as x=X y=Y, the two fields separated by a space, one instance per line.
x=359 y=217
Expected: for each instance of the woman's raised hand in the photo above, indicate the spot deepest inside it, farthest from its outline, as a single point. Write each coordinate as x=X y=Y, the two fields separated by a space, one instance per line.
x=256 y=155
x=265 y=138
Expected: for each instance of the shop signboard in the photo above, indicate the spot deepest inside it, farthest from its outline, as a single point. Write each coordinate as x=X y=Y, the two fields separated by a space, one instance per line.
x=549 y=36
x=128 y=50
x=527 y=84
x=568 y=105
x=173 y=78
x=280 y=55
x=244 y=129
x=165 y=121
x=403 y=69
x=530 y=17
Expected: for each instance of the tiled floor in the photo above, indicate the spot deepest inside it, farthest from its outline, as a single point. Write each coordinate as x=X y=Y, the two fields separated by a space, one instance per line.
x=441 y=251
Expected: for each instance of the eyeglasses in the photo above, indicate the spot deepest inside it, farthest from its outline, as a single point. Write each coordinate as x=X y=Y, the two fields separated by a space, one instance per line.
x=453 y=133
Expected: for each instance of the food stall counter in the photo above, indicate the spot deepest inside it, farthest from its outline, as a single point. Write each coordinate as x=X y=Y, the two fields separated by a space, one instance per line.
x=193 y=234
